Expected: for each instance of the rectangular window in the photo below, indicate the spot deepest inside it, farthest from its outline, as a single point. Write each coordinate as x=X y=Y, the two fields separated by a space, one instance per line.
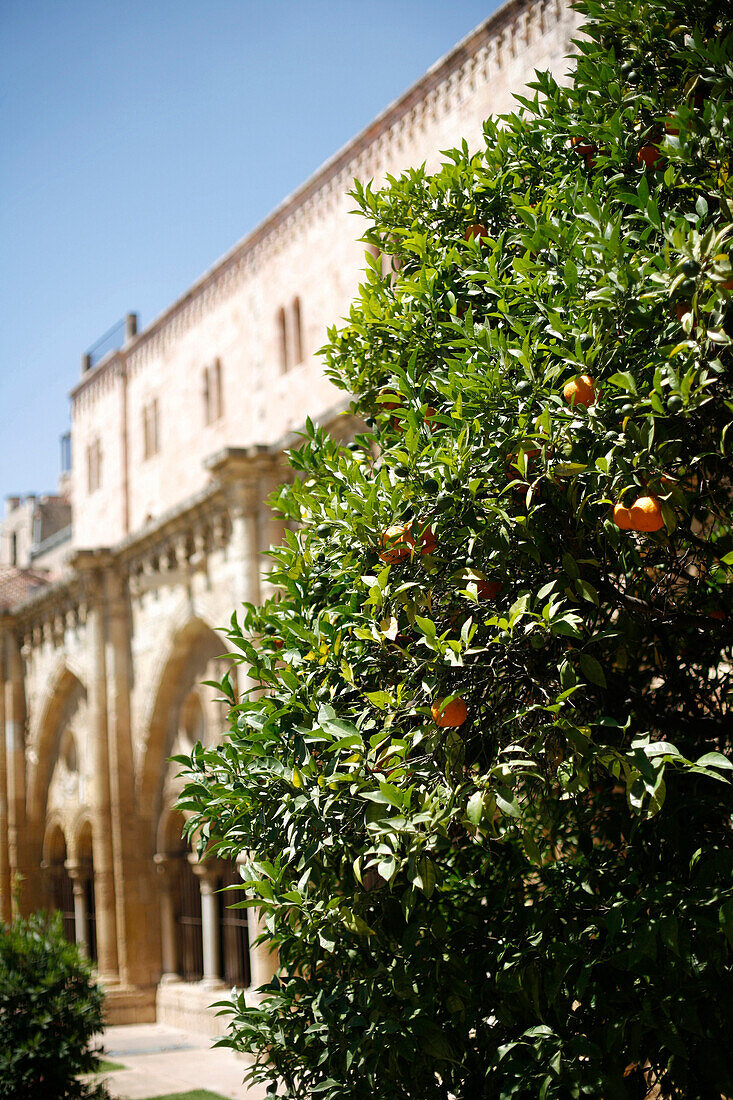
x=94 y=466
x=212 y=393
x=206 y=395
x=218 y=389
x=151 y=435
x=282 y=334
x=297 y=331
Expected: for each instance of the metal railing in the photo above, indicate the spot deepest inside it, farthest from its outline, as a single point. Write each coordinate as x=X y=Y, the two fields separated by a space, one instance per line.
x=113 y=340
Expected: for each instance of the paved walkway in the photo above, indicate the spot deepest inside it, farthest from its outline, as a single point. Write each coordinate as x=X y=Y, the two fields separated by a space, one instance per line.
x=161 y=1060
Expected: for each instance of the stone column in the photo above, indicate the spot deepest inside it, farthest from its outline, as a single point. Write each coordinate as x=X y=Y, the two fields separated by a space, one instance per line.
x=263 y=960
x=167 y=874
x=104 y=886
x=137 y=943
x=15 y=721
x=243 y=501
x=272 y=525
x=5 y=886
x=79 y=877
x=209 y=923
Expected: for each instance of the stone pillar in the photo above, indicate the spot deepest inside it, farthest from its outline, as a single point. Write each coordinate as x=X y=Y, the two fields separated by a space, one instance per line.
x=167 y=874
x=137 y=943
x=263 y=960
x=272 y=524
x=5 y=881
x=209 y=923
x=243 y=501
x=79 y=877
x=104 y=886
x=19 y=839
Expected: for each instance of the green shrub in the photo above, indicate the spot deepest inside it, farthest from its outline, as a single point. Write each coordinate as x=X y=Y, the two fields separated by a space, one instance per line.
x=50 y=1011
x=535 y=903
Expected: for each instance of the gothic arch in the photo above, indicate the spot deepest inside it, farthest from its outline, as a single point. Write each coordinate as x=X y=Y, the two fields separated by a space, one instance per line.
x=66 y=692
x=192 y=647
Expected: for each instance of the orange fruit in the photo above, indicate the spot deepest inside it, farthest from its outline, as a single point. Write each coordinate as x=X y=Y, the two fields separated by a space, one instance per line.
x=396 y=542
x=585 y=149
x=681 y=308
x=622 y=517
x=718 y=614
x=430 y=413
x=581 y=391
x=646 y=514
x=452 y=714
x=476 y=230
x=392 y=402
x=648 y=155
x=278 y=643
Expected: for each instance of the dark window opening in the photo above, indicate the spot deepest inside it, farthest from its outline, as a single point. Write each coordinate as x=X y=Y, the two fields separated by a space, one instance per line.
x=189 y=926
x=233 y=933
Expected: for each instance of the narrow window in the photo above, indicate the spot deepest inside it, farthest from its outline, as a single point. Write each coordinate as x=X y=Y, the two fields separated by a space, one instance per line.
x=94 y=466
x=282 y=333
x=207 y=397
x=14 y=549
x=150 y=429
x=218 y=389
x=297 y=332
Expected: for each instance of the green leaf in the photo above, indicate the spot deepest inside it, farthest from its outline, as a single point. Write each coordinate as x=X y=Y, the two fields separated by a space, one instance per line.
x=592 y=670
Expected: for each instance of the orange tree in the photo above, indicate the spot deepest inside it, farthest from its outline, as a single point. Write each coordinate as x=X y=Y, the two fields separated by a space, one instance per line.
x=484 y=799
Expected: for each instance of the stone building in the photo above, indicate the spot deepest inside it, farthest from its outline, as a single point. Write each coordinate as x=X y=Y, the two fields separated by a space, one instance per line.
x=108 y=615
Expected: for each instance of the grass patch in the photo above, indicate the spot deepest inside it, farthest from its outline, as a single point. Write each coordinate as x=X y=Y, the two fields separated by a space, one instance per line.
x=196 y=1094
x=103 y=1066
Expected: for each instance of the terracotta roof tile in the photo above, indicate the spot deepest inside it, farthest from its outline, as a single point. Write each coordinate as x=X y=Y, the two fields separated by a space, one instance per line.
x=16 y=585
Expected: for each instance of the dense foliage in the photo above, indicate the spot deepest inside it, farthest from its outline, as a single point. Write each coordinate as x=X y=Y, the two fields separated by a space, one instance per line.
x=534 y=901
x=50 y=1011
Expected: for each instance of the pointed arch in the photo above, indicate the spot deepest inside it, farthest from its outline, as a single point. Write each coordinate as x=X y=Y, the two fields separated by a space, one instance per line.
x=192 y=647
x=64 y=696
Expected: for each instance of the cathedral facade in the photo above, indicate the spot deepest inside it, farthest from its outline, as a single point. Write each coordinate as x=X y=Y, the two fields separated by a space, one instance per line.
x=111 y=592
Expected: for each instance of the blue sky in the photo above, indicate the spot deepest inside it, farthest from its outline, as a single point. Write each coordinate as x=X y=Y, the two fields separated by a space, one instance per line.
x=140 y=140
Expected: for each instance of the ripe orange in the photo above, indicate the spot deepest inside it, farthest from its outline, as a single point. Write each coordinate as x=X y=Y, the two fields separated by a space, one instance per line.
x=646 y=514
x=397 y=542
x=648 y=155
x=585 y=149
x=392 y=402
x=581 y=391
x=452 y=714
x=430 y=413
x=476 y=230
x=718 y=614
x=682 y=307
x=278 y=643
x=622 y=517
